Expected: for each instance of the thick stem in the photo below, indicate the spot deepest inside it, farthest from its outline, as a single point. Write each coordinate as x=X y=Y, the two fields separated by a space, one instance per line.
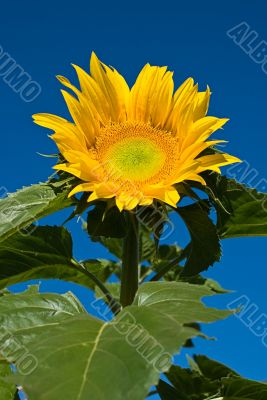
x=130 y=262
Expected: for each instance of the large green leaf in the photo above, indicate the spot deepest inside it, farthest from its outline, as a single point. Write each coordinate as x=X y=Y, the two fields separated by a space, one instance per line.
x=20 y=209
x=82 y=357
x=46 y=254
x=103 y=362
x=204 y=248
x=244 y=211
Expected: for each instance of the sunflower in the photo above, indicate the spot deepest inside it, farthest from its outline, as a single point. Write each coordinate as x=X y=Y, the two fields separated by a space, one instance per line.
x=134 y=145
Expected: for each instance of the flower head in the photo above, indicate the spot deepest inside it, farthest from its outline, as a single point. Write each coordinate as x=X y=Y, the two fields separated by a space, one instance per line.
x=134 y=145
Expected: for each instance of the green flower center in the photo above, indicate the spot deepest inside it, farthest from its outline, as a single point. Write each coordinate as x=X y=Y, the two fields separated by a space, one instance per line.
x=136 y=158
x=136 y=152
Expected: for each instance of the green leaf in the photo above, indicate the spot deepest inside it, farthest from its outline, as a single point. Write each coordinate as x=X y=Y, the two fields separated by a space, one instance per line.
x=241 y=389
x=23 y=316
x=120 y=359
x=212 y=369
x=168 y=392
x=162 y=296
x=147 y=246
x=168 y=257
x=32 y=311
x=176 y=274
x=244 y=211
x=189 y=385
x=7 y=390
x=181 y=291
x=93 y=347
x=45 y=254
x=114 y=290
x=19 y=210
x=166 y=263
x=168 y=252
x=231 y=385
x=106 y=222
x=114 y=245
x=209 y=379
x=204 y=248
x=101 y=268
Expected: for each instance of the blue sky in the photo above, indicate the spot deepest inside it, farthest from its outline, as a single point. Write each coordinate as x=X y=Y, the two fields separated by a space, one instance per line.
x=44 y=38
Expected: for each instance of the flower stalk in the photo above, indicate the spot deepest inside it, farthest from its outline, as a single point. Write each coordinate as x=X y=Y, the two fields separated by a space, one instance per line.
x=130 y=262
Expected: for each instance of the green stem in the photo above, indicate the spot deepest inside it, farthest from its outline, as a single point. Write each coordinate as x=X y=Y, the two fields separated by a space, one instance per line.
x=113 y=304
x=168 y=266
x=130 y=262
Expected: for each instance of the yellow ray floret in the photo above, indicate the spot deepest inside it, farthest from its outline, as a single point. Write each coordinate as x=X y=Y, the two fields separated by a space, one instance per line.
x=135 y=144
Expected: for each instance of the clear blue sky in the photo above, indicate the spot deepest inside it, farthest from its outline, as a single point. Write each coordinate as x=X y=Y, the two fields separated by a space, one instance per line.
x=189 y=37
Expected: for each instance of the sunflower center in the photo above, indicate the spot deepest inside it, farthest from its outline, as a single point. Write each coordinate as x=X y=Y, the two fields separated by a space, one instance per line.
x=136 y=158
x=136 y=152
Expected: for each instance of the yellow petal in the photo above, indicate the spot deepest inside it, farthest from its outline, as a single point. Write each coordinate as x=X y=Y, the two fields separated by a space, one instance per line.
x=195 y=149
x=152 y=84
x=122 y=92
x=119 y=204
x=196 y=178
x=212 y=162
x=109 y=83
x=103 y=190
x=66 y=133
x=202 y=104
x=73 y=169
x=83 y=187
x=162 y=100
x=82 y=166
x=167 y=194
x=182 y=115
x=81 y=117
x=94 y=94
x=146 y=201
x=50 y=121
x=127 y=201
